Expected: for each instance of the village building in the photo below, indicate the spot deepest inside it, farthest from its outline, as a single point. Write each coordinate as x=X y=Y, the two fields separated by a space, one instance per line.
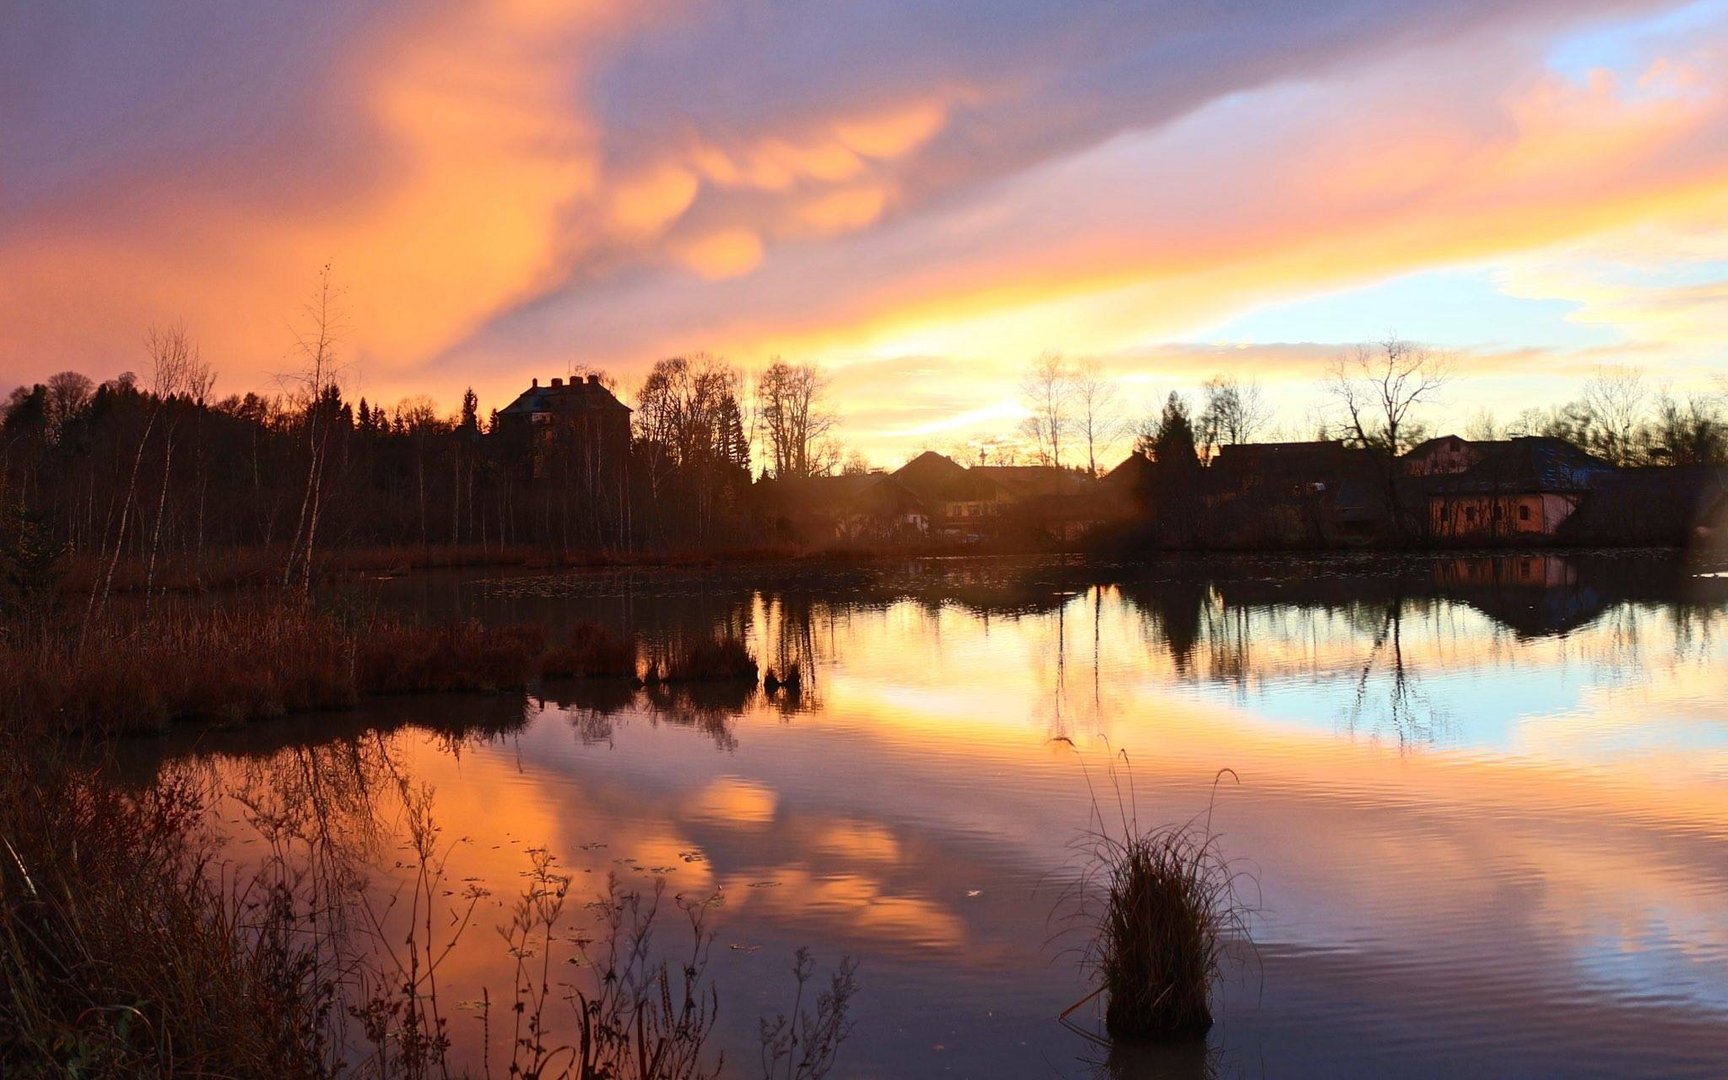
x=1526 y=488
x=1681 y=505
x=1323 y=491
x=1447 y=455
x=856 y=508
x=575 y=430
x=958 y=500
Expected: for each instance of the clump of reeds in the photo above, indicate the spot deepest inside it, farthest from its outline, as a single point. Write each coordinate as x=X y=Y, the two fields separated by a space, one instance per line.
x=404 y=658
x=723 y=658
x=590 y=651
x=1164 y=906
x=1160 y=935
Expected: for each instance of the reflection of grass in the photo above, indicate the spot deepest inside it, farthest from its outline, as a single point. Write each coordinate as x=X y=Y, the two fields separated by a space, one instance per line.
x=1162 y=903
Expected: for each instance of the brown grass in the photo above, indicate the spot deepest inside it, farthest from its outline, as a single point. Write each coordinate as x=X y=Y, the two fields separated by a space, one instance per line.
x=723 y=659
x=126 y=674
x=252 y=567
x=118 y=955
x=406 y=658
x=589 y=651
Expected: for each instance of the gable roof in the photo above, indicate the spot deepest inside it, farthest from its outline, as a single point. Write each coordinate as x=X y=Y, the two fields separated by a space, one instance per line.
x=1529 y=464
x=1302 y=459
x=936 y=477
x=1134 y=470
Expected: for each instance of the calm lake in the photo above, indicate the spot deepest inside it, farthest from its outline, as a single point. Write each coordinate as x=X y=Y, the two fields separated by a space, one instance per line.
x=1482 y=806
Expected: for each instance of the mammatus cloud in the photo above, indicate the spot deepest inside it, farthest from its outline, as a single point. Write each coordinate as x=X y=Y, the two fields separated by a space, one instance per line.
x=508 y=187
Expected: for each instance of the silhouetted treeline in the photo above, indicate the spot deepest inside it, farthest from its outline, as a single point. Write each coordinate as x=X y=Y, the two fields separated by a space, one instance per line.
x=121 y=470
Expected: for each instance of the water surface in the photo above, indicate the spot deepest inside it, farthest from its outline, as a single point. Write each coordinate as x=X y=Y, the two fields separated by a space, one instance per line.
x=1483 y=803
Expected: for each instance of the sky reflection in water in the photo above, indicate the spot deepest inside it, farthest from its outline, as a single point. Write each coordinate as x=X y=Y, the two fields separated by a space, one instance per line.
x=1486 y=804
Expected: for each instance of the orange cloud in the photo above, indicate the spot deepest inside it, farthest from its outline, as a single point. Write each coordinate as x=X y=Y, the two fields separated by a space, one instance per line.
x=724 y=254
x=487 y=204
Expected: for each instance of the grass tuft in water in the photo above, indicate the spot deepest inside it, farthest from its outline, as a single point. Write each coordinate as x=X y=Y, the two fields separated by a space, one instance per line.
x=1164 y=909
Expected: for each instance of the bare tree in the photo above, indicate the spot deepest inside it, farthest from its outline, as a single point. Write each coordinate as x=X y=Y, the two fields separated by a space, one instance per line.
x=689 y=428
x=313 y=386
x=1612 y=414
x=174 y=361
x=1482 y=427
x=1048 y=392
x=417 y=417
x=1377 y=388
x=1689 y=432
x=1095 y=410
x=1234 y=412
x=855 y=464
x=790 y=402
x=179 y=372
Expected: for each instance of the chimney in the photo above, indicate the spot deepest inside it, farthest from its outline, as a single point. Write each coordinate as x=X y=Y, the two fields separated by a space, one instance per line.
x=556 y=383
x=593 y=380
x=534 y=384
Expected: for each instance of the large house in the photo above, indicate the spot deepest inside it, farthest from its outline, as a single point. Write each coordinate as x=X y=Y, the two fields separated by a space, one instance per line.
x=1526 y=487
x=575 y=430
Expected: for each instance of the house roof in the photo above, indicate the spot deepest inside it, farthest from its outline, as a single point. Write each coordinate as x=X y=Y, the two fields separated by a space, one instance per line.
x=937 y=478
x=1532 y=464
x=1131 y=473
x=587 y=393
x=1428 y=446
x=1027 y=480
x=1303 y=460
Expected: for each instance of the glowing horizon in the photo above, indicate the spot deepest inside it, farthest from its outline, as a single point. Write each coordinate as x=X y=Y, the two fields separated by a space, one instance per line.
x=919 y=201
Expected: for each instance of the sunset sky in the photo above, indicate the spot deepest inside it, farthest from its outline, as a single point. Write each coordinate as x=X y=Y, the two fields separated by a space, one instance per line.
x=920 y=197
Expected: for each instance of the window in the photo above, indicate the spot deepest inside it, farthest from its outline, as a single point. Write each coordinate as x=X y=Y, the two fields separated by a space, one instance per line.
x=1523 y=513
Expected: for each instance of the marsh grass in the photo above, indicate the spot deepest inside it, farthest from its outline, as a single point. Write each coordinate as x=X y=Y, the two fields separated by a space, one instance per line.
x=138 y=673
x=722 y=659
x=589 y=651
x=406 y=658
x=122 y=956
x=1163 y=909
